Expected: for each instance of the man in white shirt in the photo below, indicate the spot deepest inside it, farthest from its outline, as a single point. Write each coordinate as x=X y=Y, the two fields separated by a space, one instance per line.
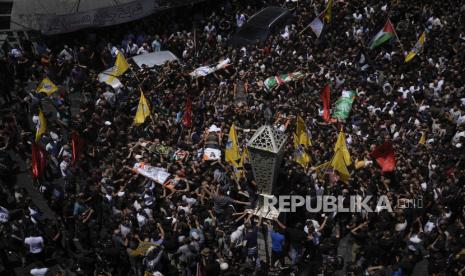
x=145 y=49
x=357 y=16
x=156 y=44
x=436 y=86
x=36 y=247
x=36 y=121
x=132 y=48
x=240 y=20
x=461 y=119
x=16 y=52
x=110 y=97
x=39 y=271
x=66 y=54
x=4 y=215
x=237 y=237
x=64 y=168
x=209 y=28
x=458 y=135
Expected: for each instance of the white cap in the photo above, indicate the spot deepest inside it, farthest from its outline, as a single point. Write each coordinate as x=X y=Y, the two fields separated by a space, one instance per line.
x=424 y=186
x=224 y=266
x=214 y=128
x=415 y=239
x=195 y=235
x=54 y=136
x=401 y=226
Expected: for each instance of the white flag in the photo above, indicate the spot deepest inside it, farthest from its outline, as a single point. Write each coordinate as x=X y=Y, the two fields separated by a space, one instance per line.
x=156 y=174
x=207 y=70
x=317 y=26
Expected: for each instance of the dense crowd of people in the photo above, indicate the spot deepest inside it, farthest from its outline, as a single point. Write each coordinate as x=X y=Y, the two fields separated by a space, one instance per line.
x=110 y=221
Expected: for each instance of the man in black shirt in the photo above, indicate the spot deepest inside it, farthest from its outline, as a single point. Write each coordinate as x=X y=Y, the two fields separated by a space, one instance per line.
x=296 y=237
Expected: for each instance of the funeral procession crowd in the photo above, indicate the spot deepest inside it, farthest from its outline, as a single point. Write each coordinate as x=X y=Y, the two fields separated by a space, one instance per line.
x=145 y=170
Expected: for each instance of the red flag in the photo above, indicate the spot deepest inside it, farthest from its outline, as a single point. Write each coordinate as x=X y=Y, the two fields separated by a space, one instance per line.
x=77 y=144
x=385 y=157
x=325 y=97
x=187 y=117
x=38 y=160
x=199 y=270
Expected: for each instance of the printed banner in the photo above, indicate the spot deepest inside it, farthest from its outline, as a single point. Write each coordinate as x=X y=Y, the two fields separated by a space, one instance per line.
x=57 y=19
x=157 y=174
x=344 y=105
x=272 y=82
x=207 y=70
x=210 y=154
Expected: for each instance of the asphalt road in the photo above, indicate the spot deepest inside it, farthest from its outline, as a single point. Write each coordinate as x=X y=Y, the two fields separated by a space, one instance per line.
x=24 y=180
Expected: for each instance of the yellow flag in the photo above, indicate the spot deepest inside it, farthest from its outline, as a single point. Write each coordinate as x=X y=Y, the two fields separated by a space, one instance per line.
x=422 y=139
x=121 y=65
x=321 y=169
x=296 y=141
x=232 y=150
x=239 y=168
x=46 y=86
x=143 y=110
x=142 y=249
x=340 y=166
x=462 y=252
x=42 y=125
x=328 y=12
x=301 y=156
x=417 y=48
x=341 y=146
x=359 y=164
x=303 y=138
x=244 y=155
x=323 y=166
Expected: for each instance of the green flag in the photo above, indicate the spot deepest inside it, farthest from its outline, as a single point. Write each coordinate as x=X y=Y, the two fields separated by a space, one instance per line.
x=344 y=105
x=273 y=82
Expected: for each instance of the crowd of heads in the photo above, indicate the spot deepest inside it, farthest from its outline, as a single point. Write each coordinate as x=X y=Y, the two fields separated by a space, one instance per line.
x=107 y=220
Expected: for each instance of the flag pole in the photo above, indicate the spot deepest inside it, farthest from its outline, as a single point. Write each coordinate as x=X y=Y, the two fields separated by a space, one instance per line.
x=397 y=37
x=134 y=74
x=195 y=40
x=141 y=90
x=308 y=26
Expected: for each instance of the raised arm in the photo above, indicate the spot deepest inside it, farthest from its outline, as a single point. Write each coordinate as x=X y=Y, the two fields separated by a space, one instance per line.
x=323 y=225
x=162 y=232
x=279 y=223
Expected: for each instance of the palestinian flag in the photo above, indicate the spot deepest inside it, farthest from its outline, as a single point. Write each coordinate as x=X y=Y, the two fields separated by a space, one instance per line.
x=385 y=34
x=276 y=81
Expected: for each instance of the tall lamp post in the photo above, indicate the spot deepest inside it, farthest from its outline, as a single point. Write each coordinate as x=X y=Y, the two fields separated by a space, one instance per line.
x=266 y=152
